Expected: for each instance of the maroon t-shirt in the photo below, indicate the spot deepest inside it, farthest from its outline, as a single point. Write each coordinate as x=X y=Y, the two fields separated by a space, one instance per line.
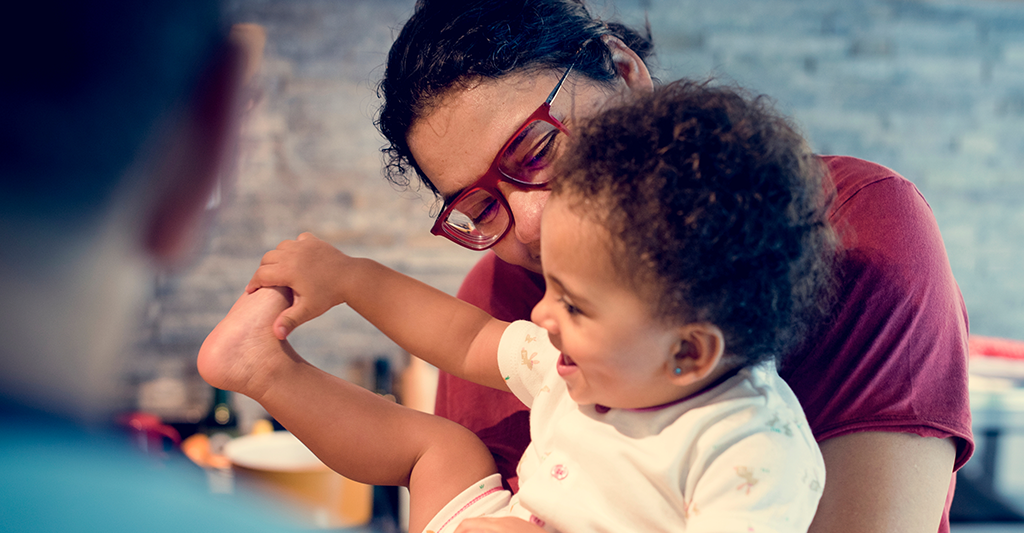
x=893 y=358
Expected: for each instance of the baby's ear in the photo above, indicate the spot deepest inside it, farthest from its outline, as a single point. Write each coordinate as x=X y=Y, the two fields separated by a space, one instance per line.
x=700 y=350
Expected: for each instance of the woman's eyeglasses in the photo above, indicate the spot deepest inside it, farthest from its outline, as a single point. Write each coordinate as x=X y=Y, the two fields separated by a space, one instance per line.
x=480 y=216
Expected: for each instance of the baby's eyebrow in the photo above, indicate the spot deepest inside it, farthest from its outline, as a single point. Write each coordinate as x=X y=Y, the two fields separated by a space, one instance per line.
x=577 y=300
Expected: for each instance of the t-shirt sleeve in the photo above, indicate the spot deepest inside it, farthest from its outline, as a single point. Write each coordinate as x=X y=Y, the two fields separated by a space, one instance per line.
x=893 y=357
x=525 y=357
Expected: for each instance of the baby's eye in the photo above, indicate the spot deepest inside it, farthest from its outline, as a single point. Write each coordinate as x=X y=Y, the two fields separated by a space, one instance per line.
x=569 y=308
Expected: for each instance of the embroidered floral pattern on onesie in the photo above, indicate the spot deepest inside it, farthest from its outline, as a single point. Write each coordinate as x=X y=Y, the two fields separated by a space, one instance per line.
x=748 y=479
x=778 y=425
x=529 y=359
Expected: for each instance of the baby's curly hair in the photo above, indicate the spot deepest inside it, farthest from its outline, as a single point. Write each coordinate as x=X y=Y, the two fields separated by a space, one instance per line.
x=716 y=209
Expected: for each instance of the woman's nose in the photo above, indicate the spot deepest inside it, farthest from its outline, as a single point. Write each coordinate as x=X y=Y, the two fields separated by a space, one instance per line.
x=526 y=206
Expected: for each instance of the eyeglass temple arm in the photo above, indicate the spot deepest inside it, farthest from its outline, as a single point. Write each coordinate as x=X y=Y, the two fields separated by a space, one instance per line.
x=558 y=87
x=554 y=92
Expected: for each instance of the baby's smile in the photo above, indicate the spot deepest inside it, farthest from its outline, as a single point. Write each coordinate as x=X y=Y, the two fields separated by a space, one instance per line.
x=566 y=366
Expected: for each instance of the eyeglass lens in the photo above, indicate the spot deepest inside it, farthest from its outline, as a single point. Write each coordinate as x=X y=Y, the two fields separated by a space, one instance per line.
x=531 y=153
x=478 y=219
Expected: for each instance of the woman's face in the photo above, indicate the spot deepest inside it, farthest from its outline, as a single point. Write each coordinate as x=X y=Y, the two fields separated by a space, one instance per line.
x=456 y=142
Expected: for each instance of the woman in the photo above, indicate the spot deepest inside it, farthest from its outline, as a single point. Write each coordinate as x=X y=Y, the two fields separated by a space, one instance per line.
x=884 y=384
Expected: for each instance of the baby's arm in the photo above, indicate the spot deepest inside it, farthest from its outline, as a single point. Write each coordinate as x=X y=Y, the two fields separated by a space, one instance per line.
x=354 y=431
x=457 y=337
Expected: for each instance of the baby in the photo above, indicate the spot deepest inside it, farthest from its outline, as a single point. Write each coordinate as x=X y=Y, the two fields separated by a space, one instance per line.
x=684 y=248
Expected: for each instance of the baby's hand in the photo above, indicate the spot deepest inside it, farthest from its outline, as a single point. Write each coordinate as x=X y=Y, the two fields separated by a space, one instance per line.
x=312 y=269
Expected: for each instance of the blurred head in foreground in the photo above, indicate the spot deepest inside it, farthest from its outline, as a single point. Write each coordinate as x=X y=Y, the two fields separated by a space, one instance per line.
x=117 y=119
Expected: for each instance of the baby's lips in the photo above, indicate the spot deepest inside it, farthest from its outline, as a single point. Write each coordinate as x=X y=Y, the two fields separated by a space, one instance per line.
x=566 y=366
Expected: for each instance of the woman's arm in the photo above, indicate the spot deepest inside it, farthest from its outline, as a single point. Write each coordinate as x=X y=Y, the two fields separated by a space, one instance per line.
x=880 y=482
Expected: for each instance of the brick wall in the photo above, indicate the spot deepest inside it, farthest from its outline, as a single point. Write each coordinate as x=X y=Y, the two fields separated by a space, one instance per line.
x=933 y=89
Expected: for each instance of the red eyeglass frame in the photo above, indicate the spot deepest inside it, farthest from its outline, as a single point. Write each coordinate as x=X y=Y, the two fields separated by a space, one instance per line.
x=489 y=181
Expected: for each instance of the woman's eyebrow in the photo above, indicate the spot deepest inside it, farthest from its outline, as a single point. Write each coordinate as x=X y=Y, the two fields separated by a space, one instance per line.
x=449 y=198
x=517 y=138
x=510 y=145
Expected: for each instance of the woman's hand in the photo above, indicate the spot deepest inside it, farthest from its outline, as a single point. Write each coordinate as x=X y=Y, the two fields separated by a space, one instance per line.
x=312 y=269
x=507 y=524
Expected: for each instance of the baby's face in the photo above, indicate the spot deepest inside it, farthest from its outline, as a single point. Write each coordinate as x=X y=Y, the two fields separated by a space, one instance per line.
x=614 y=352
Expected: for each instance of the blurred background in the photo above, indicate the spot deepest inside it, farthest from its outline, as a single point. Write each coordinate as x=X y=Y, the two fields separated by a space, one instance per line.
x=931 y=89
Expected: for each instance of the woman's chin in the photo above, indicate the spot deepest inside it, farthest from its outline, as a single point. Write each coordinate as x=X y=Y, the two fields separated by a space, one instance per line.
x=521 y=257
x=534 y=266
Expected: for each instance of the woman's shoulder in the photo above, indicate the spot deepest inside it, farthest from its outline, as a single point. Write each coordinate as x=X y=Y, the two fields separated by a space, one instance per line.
x=877 y=209
x=850 y=176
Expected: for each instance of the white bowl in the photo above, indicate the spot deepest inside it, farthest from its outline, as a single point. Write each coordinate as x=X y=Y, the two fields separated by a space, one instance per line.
x=278 y=465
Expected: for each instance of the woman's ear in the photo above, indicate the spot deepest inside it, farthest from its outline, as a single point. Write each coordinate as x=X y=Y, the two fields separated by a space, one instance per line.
x=630 y=67
x=700 y=350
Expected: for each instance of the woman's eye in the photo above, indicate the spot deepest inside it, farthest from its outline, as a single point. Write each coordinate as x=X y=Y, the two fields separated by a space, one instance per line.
x=478 y=211
x=485 y=212
x=532 y=151
x=540 y=156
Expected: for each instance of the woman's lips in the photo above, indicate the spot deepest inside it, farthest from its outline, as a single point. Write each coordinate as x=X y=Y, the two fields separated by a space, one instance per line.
x=565 y=365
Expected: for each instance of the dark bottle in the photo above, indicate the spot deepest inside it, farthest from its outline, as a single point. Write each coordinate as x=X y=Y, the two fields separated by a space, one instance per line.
x=221 y=416
x=385 y=498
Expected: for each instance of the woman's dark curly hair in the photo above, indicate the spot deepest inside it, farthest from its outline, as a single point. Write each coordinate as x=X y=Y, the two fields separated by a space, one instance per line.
x=716 y=209
x=452 y=44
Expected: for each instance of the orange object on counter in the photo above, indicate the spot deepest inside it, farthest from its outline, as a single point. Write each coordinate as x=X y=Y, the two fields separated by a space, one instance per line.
x=197 y=448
